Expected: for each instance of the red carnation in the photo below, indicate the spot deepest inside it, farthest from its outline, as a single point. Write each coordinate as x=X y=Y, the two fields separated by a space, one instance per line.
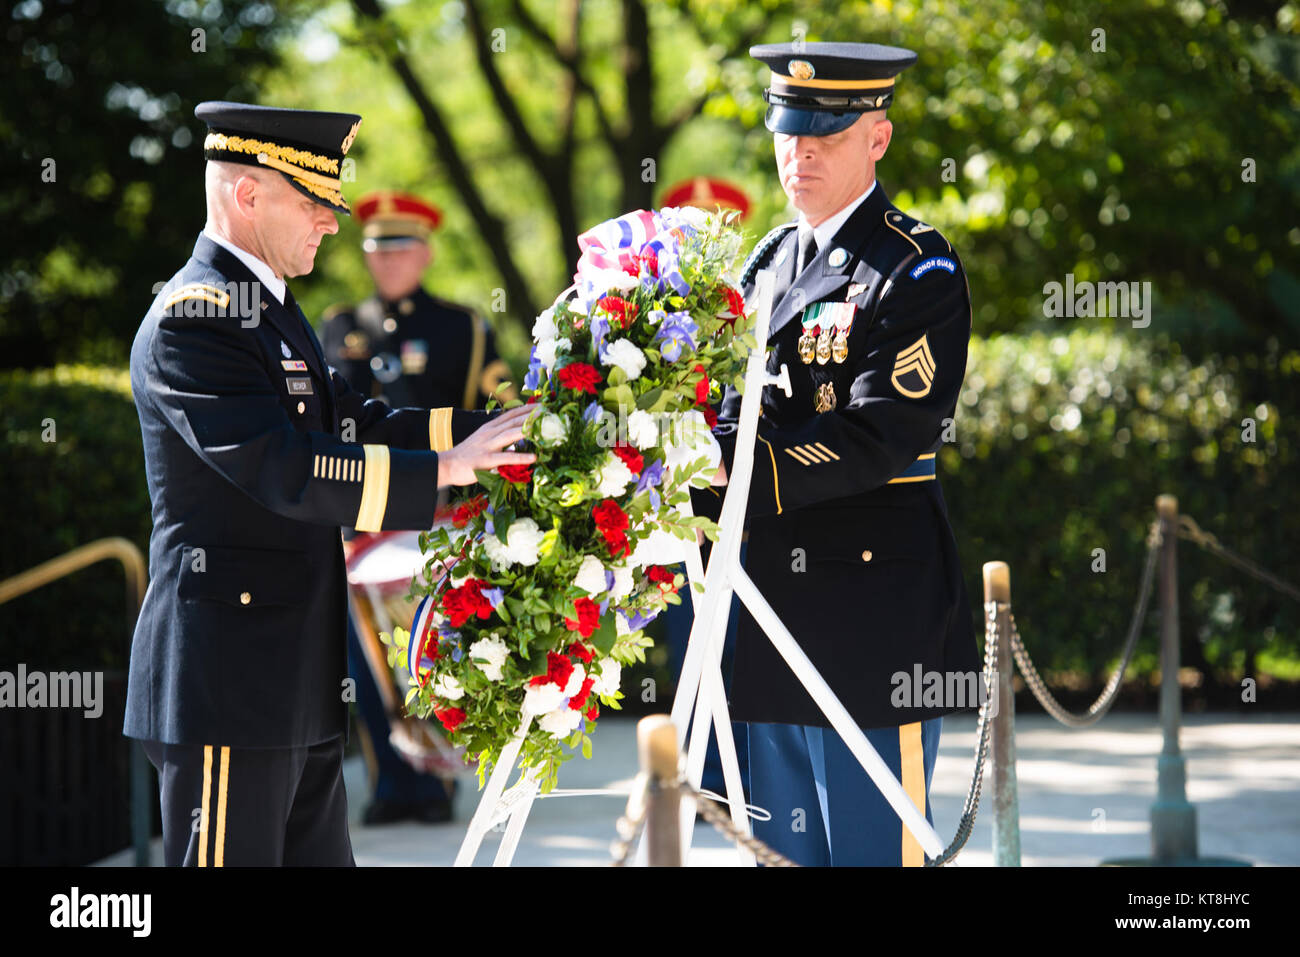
x=463 y=603
x=710 y=417
x=609 y=517
x=701 y=387
x=559 y=669
x=523 y=474
x=451 y=718
x=532 y=398
x=661 y=577
x=617 y=544
x=588 y=617
x=578 y=650
x=735 y=304
x=579 y=699
x=631 y=458
x=580 y=377
x=618 y=308
x=593 y=712
x=468 y=510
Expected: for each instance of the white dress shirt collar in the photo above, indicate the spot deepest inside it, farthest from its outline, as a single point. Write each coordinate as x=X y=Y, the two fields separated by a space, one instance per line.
x=259 y=269
x=825 y=232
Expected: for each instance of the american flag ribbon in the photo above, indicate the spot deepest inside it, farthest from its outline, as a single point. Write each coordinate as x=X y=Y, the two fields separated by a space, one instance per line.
x=613 y=243
x=416 y=661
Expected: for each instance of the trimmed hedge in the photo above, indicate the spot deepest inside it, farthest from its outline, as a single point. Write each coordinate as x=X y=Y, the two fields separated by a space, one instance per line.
x=1061 y=445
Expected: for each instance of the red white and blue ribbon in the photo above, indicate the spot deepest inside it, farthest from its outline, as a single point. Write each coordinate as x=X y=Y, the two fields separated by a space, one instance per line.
x=417 y=663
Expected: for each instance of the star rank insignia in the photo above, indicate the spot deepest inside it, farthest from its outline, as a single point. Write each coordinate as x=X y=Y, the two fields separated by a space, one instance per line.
x=914 y=370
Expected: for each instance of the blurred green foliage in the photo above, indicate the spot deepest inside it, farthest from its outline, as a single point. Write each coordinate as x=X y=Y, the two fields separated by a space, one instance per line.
x=87 y=483
x=1063 y=444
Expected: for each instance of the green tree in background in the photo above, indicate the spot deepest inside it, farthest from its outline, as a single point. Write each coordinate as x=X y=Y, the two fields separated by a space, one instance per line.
x=102 y=187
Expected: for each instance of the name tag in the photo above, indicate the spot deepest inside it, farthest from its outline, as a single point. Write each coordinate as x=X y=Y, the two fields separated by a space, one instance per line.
x=293 y=365
x=298 y=386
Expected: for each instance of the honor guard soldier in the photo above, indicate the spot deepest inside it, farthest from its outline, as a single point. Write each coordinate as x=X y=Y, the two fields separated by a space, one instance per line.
x=849 y=539
x=256 y=452
x=402 y=344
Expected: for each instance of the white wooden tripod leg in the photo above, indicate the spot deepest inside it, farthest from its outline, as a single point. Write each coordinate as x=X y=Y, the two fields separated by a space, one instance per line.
x=518 y=818
x=481 y=822
x=837 y=714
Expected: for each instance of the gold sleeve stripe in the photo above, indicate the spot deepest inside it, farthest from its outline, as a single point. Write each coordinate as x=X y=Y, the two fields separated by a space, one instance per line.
x=440 y=429
x=912 y=761
x=812 y=453
x=203 y=808
x=797 y=457
x=219 y=842
x=827 y=451
x=776 y=484
x=374 y=490
x=315 y=472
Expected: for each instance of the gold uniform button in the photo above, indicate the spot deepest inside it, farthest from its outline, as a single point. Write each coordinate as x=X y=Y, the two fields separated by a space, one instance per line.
x=245 y=598
x=866 y=555
x=302 y=407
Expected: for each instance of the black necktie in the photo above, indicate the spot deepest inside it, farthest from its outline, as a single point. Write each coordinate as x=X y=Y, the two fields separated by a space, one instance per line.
x=807 y=248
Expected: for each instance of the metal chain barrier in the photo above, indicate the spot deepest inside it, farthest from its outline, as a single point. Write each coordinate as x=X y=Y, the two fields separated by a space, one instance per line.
x=1099 y=707
x=712 y=812
x=1188 y=529
x=967 y=822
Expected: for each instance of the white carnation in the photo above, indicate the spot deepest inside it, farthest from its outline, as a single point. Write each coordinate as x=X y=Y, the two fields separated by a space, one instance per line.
x=494 y=652
x=575 y=681
x=591 y=576
x=625 y=354
x=496 y=551
x=642 y=429
x=624 y=581
x=612 y=280
x=539 y=699
x=613 y=476
x=449 y=688
x=544 y=327
x=551 y=429
x=522 y=541
x=547 y=351
x=560 y=722
x=607 y=681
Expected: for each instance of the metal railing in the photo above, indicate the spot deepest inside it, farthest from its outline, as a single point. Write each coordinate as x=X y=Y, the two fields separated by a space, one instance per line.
x=137 y=578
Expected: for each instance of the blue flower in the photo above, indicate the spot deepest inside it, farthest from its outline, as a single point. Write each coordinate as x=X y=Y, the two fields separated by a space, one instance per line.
x=651 y=475
x=676 y=331
x=495 y=595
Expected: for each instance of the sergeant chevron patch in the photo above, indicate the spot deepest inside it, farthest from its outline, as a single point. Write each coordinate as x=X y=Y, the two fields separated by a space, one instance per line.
x=914 y=370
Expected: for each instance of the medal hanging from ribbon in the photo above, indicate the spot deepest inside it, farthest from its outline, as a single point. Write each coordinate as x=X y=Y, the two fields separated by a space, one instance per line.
x=826 y=332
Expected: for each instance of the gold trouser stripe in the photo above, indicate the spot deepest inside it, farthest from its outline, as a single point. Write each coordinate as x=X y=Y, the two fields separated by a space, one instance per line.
x=203 y=809
x=913 y=781
x=792 y=84
x=374 y=490
x=475 y=373
x=440 y=429
x=219 y=846
x=827 y=451
x=776 y=484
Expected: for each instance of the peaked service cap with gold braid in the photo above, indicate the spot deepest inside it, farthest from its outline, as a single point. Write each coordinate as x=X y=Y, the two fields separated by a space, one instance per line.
x=821 y=88
x=390 y=218
x=707 y=193
x=307 y=146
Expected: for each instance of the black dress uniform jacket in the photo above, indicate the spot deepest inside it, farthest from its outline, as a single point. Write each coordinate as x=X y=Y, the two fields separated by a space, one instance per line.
x=420 y=351
x=256 y=452
x=849 y=538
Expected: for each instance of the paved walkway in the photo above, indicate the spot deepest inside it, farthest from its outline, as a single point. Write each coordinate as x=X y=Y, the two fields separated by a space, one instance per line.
x=1085 y=796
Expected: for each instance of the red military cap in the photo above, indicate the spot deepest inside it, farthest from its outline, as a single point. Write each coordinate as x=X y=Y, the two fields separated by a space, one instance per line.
x=390 y=218
x=707 y=194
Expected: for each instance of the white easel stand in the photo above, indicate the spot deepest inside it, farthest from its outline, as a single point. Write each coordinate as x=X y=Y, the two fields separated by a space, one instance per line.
x=700 y=689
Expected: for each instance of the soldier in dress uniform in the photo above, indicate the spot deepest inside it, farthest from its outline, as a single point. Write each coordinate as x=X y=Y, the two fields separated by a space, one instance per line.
x=408 y=348
x=849 y=538
x=256 y=452
x=402 y=344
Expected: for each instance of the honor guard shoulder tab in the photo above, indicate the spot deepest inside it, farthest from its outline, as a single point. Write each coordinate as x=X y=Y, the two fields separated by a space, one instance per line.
x=199 y=290
x=761 y=251
x=916 y=236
